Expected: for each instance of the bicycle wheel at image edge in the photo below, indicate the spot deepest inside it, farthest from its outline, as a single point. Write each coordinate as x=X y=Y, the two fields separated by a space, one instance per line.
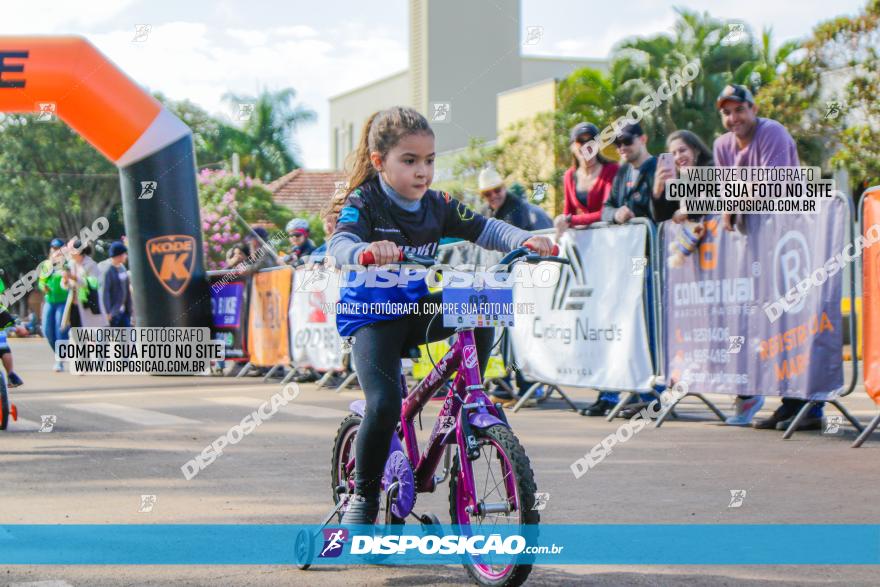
x=4 y=404
x=502 y=473
x=343 y=453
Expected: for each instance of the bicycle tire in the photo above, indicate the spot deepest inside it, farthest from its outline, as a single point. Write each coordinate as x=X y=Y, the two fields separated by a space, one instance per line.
x=504 y=439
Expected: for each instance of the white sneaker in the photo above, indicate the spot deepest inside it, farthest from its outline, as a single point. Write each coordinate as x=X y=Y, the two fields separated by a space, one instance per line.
x=59 y=367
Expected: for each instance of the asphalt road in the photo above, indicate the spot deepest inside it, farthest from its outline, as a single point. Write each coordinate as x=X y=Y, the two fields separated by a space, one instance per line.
x=118 y=438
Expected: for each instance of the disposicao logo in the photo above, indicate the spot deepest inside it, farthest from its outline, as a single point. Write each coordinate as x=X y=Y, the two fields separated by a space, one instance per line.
x=334 y=538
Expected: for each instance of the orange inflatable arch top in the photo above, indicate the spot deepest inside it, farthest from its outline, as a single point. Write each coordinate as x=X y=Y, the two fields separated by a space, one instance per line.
x=69 y=77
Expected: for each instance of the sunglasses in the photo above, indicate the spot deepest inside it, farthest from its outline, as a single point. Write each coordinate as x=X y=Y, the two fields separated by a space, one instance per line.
x=583 y=139
x=294 y=234
x=625 y=141
x=491 y=192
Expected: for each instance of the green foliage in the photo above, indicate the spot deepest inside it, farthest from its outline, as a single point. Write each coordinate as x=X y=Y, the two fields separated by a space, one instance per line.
x=225 y=200
x=53 y=182
x=264 y=141
x=640 y=66
x=839 y=65
x=21 y=256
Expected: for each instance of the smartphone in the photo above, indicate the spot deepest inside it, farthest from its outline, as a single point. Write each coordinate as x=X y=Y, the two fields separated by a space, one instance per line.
x=664 y=160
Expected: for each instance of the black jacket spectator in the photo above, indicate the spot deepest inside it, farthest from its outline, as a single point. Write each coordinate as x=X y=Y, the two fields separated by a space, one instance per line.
x=637 y=195
x=521 y=214
x=116 y=294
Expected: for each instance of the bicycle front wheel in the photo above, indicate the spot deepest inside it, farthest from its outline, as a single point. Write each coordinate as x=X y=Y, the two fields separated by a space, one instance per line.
x=505 y=495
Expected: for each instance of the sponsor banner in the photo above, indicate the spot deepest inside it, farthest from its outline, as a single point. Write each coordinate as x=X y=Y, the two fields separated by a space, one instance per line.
x=590 y=329
x=871 y=298
x=229 y=305
x=226 y=304
x=725 y=330
x=314 y=340
x=268 y=339
x=279 y=544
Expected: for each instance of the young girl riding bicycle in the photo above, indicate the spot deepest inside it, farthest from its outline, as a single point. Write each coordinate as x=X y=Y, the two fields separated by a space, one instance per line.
x=390 y=207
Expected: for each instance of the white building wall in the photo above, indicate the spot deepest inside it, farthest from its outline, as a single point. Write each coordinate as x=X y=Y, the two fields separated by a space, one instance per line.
x=535 y=68
x=473 y=53
x=350 y=110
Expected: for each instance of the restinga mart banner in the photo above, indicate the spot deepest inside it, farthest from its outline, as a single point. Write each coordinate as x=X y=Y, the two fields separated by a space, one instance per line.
x=590 y=328
x=728 y=325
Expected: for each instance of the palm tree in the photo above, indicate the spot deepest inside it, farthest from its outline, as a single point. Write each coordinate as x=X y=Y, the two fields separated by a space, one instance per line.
x=640 y=66
x=763 y=69
x=265 y=141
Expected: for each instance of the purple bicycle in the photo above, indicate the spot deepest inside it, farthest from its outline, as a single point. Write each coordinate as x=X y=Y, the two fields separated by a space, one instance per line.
x=490 y=478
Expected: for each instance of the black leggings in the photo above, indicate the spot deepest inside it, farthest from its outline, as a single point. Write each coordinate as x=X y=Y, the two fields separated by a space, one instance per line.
x=377 y=351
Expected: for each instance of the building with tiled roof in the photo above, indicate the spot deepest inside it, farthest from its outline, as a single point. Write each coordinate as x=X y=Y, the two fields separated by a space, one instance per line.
x=304 y=190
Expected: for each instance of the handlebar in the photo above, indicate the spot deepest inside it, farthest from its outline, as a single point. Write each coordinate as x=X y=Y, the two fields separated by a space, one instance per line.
x=367 y=258
x=525 y=252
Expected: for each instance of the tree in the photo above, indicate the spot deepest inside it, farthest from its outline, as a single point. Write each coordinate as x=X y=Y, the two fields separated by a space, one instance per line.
x=55 y=183
x=209 y=132
x=640 y=66
x=768 y=62
x=826 y=96
x=265 y=141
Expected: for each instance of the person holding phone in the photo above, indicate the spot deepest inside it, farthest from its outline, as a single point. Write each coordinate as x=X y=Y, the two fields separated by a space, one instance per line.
x=684 y=149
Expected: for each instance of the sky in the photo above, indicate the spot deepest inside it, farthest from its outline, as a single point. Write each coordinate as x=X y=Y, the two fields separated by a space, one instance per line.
x=200 y=50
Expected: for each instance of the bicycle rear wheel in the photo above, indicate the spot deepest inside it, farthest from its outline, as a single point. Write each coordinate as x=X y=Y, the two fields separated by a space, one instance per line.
x=503 y=477
x=4 y=403
x=342 y=458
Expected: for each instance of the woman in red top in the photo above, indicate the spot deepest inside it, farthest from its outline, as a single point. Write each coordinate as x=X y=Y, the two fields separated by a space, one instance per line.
x=587 y=182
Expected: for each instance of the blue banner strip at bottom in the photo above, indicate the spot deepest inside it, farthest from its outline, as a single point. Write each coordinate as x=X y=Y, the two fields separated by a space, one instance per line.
x=287 y=544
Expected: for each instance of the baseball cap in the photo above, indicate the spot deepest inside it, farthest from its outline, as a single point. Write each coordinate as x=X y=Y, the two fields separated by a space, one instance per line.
x=116 y=249
x=735 y=92
x=297 y=226
x=56 y=243
x=630 y=131
x=583 y=128
x=260 y=232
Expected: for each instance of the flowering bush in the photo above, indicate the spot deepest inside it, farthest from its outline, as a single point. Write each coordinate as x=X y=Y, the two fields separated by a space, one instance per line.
x=225 y=199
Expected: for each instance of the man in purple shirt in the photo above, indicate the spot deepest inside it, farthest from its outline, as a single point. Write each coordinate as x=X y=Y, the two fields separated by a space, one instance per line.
x=756 y=142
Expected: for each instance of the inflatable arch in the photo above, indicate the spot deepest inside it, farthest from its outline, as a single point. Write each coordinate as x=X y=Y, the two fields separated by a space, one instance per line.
x=153 y=150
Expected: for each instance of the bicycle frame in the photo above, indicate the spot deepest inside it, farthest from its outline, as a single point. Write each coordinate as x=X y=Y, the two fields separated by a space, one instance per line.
x=466 y=406
x=467 y=392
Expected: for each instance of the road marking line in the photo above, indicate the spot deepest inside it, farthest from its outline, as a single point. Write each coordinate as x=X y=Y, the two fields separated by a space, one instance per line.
x=291 y=409
x=131 y=415
x=236 y=400
x=22 y=425
x=52 y=583
x=151 y=391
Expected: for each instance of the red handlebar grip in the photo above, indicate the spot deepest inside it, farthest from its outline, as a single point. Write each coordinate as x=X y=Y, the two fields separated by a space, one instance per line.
x=367 y=258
